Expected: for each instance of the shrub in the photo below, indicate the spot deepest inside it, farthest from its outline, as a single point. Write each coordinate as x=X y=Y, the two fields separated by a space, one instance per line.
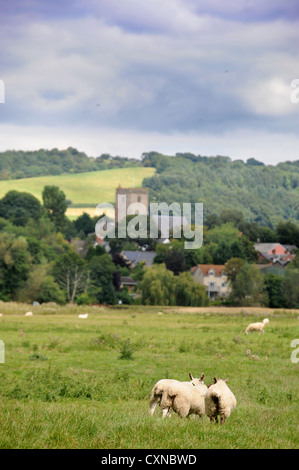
x=126 y=351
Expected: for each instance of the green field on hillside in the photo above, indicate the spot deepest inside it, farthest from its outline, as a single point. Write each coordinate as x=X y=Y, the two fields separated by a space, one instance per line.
x=73 y=383
x=89 y=188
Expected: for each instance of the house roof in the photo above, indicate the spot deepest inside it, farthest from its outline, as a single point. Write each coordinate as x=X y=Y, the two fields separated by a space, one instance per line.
x=266 y=247
x=281 y=259
x=290 y=247
x=205 y=268
x=127 y=280
x=136 y=257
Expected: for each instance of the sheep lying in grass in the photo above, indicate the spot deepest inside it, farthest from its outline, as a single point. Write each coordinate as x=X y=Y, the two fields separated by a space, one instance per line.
x=259 y=326
x=83 y=315
x=28 y=314
x=185 y=398
x=219 y=400
x=161 y=385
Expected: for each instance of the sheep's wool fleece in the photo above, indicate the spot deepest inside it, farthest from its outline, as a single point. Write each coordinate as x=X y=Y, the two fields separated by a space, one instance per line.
x=225 y=399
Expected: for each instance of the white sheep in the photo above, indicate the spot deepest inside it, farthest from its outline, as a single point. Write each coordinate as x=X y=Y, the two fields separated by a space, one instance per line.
x=1 y=314
x=258 y=326
x=83 y=315
x=28 y=314
x=185 y=398
x=160 y=386
x=219 y=400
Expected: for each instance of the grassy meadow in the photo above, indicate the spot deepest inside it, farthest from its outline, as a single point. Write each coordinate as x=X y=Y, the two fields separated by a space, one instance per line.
x=82 y=189
x=73 y=383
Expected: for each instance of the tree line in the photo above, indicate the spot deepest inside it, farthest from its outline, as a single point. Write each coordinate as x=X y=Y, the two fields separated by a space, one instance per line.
x=265 y=194
x=21 y=164
x=39 y=260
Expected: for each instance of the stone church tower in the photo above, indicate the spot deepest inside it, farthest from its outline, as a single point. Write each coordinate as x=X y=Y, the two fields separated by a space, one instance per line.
x=129 y=196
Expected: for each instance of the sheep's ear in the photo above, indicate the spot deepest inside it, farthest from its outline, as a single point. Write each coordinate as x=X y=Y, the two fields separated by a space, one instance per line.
x=191 y=376
x=225 y=380
x=215 y=380
x=202 y=376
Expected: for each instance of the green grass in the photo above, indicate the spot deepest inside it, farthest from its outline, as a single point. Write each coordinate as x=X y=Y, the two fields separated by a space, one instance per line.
x=89 y=188
x=66 y=383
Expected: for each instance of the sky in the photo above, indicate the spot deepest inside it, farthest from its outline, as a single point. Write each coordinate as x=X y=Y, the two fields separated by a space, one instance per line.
x=127 y=77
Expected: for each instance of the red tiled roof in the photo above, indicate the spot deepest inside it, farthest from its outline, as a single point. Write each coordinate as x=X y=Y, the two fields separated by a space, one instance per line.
x=205 y=268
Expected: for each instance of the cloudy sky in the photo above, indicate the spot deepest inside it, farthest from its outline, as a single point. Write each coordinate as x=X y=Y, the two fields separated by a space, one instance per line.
x=129 y=76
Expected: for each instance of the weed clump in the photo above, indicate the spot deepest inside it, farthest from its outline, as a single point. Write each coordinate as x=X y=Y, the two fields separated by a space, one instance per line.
x=126 y=351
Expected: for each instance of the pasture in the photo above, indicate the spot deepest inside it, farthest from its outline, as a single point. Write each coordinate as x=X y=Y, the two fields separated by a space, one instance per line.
x=83 y=189
x=85 y=383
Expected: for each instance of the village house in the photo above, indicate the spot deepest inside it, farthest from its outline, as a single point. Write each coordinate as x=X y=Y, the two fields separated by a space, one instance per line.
x=129 y=282
x=135 y=257
x=212 y=276
x=275 y=253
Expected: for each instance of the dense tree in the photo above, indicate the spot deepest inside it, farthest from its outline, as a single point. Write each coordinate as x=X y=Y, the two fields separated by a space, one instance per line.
x=230 y=215
x=175 y=261
x=84 y=223
x=222 y=253
x=211 y=221
x=233 y=267
x=14 y=264
x=21 y=164
x=101 y=286
x=274 y=291
x=261 y=193
x=192 y=258
x=50 y=291
x=54 y=202
x=247 y=286
x=236 y=250
x=40 y=287
x=158 y=286
x=19 y=207
x=71 y=274
x=225 y=233
x=288 y=233
x=250 y=254
x=291 y=283
x=188 y=292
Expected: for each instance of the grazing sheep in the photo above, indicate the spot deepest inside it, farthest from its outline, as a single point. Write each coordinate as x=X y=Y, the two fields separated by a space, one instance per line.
x=219 y=400
x=259 y=326
x=83 y=315
x=161 y=385
x=28 y=314
x=185 y=398
x=1 y=314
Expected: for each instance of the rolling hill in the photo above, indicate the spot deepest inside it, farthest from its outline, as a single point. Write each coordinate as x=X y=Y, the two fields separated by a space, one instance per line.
x=84 y=190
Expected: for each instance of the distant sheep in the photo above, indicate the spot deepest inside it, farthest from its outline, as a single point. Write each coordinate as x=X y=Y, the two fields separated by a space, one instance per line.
x=1 y=314
x=219 y=400
x=259 y=326
x=185 y=398
x=28 y=314
x=83 y=315
x=161 y=385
